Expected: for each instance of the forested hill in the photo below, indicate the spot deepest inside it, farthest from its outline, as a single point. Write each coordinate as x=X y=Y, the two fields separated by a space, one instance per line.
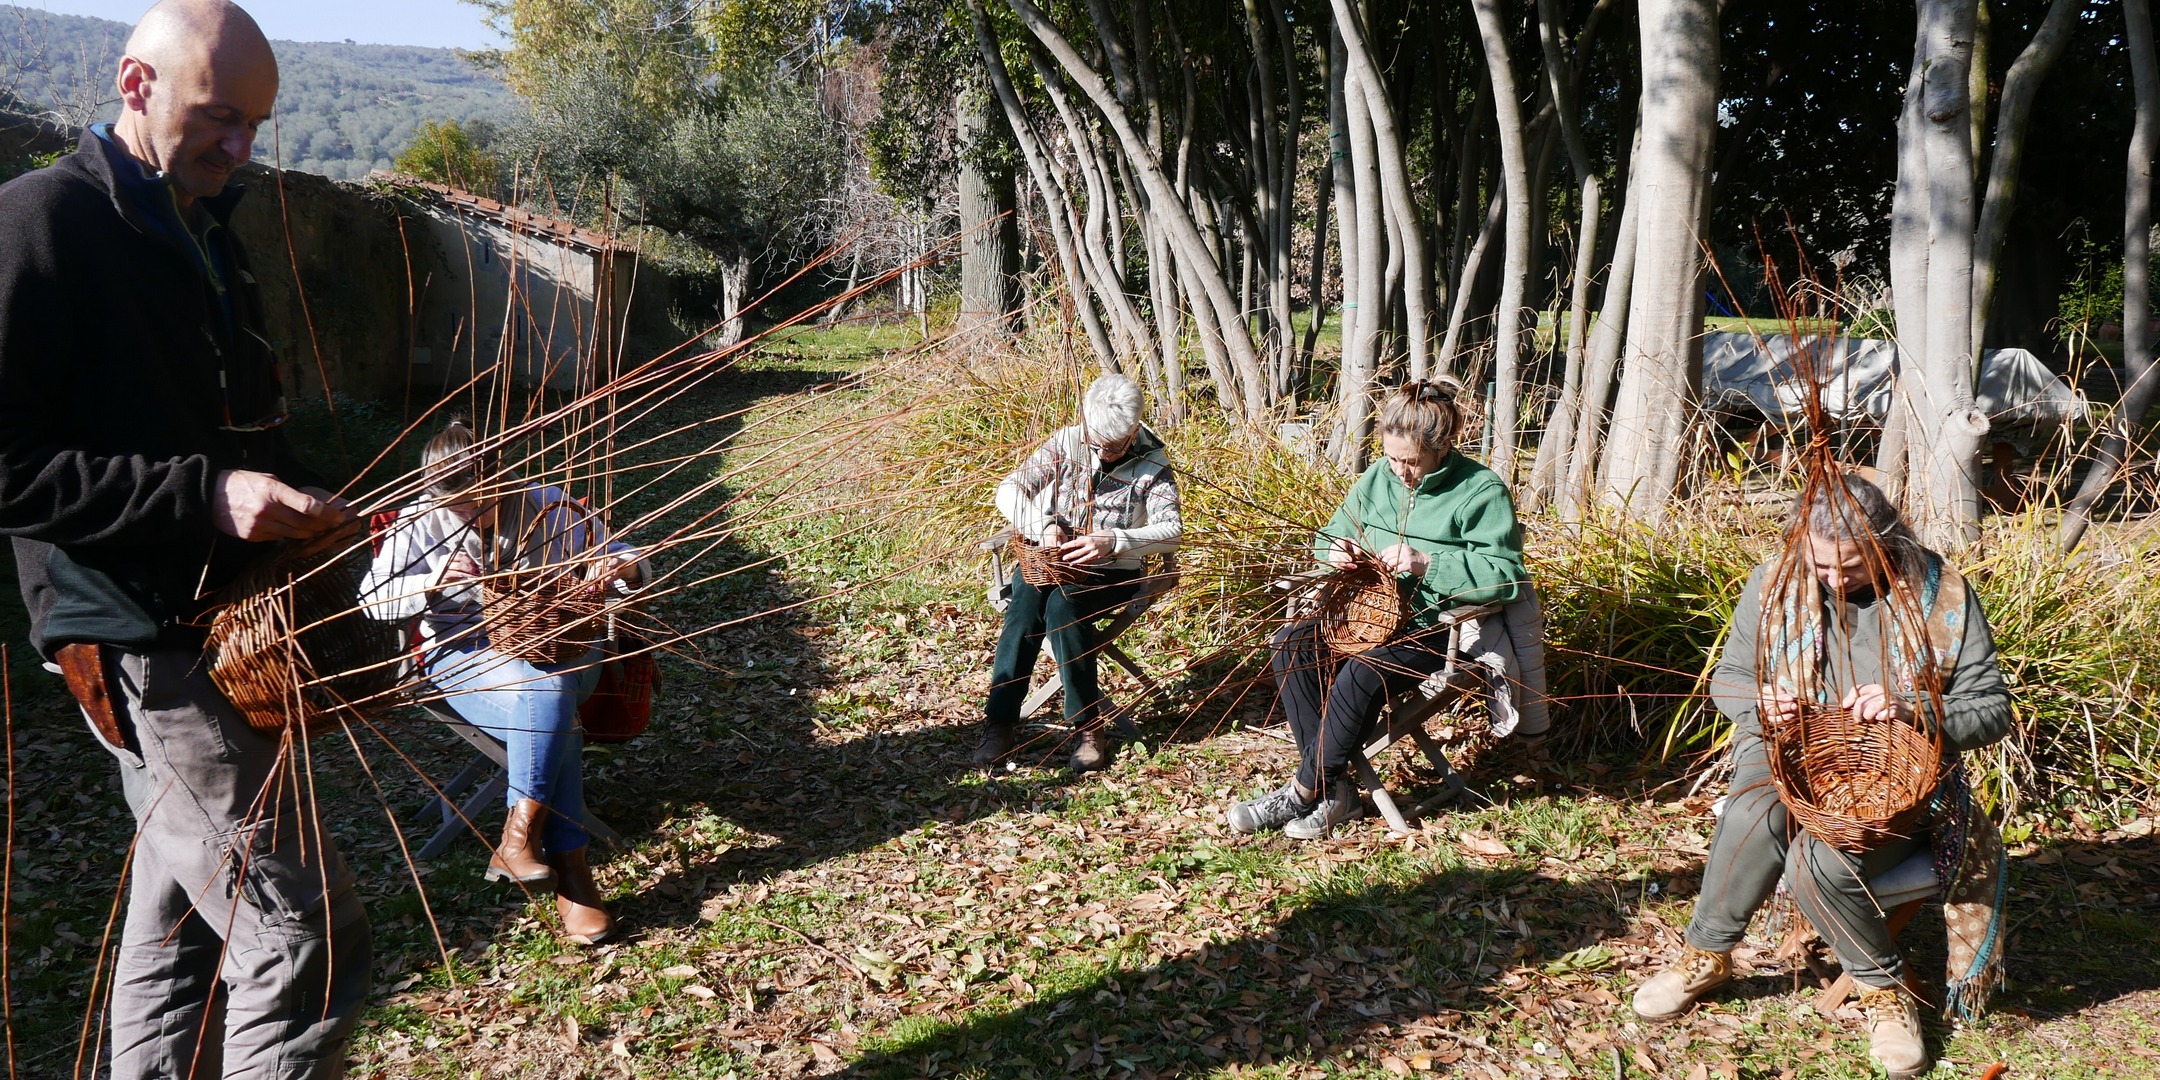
x=343 y=109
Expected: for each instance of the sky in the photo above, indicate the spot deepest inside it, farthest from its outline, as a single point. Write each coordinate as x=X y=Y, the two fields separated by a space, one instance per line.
x=439 y=23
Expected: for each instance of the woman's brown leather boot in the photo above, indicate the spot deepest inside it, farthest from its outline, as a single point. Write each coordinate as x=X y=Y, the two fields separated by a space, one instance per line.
x=578 y=899
x=517 y=859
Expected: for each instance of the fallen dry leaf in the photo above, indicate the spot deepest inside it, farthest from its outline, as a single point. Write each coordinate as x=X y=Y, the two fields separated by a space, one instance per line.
x=1485 y=846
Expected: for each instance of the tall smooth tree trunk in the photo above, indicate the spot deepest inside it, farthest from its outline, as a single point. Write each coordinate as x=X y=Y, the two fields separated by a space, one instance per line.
x=1466 y=282
x=1057 y=210
x=1601 y=362
x=2138 y=360
x=1515 y=263
x=1557 y=444
x=1316 y=287
x=1197 y=264
x=1932 y=243
x=1394 y=173
x=1102 y=245
x=1363 y=320
x=2020 y=86
x=1672 y=167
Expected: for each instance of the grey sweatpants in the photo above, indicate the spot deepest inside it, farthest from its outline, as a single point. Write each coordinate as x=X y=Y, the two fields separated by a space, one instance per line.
x=1755 y=846
x=245 y=952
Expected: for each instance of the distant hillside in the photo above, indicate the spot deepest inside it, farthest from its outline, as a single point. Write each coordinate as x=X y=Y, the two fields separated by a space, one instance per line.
x=342 y=109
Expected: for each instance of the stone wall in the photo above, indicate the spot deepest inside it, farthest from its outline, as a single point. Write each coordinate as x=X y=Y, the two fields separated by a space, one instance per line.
x=376 y=292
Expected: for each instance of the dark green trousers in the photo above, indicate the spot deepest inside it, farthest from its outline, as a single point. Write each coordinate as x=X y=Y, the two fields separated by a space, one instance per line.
x=1066 y=615
x=1756 y=845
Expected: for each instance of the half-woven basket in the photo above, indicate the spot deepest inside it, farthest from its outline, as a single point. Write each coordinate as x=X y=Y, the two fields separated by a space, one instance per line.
x=1359 y=609
x=542 y=611
x=289 y=645
x=1853 y=783
x=1041 y=567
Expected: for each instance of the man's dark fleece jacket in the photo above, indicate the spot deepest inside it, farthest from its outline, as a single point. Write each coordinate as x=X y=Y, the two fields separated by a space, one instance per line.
x=133 y=362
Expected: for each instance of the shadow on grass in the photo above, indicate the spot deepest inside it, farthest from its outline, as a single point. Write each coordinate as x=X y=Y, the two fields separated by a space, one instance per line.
x=1406 y=957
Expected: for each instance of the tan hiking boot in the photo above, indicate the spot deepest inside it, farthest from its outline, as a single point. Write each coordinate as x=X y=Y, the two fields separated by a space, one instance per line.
x=1672 y=992
x=1894 y=1036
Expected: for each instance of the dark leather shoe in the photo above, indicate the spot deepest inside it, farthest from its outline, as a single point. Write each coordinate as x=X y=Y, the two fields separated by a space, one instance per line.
x=517 y=858
x=997 y=742
x=1096 y=751
x=578 y=899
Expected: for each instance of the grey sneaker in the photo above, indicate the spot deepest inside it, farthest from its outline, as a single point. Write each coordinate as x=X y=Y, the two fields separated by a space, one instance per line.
x=1273 y=810
x=1339 y=806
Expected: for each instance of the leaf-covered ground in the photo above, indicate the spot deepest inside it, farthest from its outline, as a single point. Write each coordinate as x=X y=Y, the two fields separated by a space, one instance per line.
x=816 y=883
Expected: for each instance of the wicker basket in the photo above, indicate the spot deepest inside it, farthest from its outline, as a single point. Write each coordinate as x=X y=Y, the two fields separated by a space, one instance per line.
x=290 y=648
x=1041 y=567
x=1854 y=784
x=1359 y=609
x=539 y=611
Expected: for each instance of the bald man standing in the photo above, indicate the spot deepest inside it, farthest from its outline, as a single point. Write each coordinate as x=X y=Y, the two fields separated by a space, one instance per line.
x=141 y=466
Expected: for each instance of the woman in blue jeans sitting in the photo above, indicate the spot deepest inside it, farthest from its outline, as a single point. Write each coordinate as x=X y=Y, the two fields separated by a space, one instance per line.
x=461 y=528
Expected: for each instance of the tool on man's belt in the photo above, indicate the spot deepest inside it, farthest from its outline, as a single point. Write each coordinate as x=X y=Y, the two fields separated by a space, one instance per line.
x=82 y=664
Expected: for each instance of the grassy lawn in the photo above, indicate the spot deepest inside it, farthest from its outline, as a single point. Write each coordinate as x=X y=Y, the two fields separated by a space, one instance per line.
x=815 y=881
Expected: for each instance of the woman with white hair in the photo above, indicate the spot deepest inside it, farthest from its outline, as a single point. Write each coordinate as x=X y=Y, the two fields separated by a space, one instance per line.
x=1100 y=495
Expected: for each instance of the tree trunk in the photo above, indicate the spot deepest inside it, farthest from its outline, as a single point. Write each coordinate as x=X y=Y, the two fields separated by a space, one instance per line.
x=1679 y=123
x=1394 y=173
x=2020 y=87
x=734 y=295
x=1557 y=444
x=1102 y=245
x=1363 y=319
x=1466 y=282
x=1196 y=262
x=2138 y=360
x=1515 y=264
x=1316 y=289
x=1055 y=207
x=1601 y=361
x=1935 y=184
x=988 y=254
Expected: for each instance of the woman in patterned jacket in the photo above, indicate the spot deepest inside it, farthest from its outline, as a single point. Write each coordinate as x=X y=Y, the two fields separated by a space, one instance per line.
x=1101 y=496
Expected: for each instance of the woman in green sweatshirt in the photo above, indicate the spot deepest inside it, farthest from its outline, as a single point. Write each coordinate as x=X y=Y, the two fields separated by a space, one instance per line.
x=1445 y=526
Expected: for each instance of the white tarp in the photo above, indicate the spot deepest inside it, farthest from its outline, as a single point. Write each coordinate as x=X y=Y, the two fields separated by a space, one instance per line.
x=2015 y=389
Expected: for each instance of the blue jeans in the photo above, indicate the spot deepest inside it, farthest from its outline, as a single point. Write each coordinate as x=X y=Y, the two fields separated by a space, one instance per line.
x=533 y=710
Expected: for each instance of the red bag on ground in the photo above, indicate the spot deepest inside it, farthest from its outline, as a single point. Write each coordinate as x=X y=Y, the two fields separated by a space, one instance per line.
x=621 y=705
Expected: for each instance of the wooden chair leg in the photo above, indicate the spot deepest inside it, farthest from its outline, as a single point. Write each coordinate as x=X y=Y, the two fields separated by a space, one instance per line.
x=1834 y=997
x=1452 y=784
x=1381 y=797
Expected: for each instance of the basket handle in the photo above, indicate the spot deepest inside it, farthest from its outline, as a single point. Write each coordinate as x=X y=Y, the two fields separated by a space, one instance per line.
x=544 y=511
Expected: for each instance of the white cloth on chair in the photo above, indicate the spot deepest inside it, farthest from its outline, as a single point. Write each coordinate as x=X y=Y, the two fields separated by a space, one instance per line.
x=1508 y=649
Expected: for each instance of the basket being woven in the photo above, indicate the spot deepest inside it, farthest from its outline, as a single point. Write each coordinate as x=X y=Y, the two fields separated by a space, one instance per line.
x=289 y=647
x=1359 y=609
x=541 y=611
x=1041 y=567
x=1853 y=783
